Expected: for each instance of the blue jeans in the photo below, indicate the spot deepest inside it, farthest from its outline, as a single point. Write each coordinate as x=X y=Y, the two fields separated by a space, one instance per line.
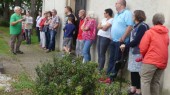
x=86 y=51
x=47 y=37
x=28 y=36
x=115 y=55
x=52 y=40
x=79 y=47
x=103 y=44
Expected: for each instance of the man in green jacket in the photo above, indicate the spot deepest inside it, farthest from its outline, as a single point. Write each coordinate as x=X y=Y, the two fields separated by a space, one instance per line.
x=15 y=30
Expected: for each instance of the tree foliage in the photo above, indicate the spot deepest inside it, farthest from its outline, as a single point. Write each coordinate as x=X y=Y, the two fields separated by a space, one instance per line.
x=6 y=6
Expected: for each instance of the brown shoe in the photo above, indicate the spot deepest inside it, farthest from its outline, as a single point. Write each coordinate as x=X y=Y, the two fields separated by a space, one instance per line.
x=19 y=52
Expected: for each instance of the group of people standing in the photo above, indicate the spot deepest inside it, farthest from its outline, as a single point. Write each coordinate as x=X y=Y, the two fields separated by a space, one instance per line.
x=46 y=28
x=147 y=47
x=125 y=32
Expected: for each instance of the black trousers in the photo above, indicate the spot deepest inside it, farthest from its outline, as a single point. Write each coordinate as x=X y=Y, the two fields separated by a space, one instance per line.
x=38 y=33
x=135 y=80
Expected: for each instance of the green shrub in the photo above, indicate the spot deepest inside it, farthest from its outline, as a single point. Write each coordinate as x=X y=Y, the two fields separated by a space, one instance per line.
x=69 y=76
x=4 y=23
x=66 y=76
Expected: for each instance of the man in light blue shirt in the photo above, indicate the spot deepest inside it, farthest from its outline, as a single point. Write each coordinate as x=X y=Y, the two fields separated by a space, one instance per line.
x=121 y=28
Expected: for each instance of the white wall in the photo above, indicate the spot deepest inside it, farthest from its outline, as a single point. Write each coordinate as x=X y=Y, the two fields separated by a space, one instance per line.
x=59 y=5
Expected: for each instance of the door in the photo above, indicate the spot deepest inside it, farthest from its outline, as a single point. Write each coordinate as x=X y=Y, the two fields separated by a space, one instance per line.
x=80 y=4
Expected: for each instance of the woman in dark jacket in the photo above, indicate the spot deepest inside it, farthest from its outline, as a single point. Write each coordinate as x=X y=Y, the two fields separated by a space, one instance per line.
x=133 y=65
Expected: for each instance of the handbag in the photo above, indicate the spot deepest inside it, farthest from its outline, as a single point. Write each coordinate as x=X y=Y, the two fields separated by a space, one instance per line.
x=46 y=28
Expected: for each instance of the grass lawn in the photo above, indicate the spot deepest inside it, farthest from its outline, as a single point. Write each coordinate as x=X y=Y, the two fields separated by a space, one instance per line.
x=5 y=38
x=4 y=46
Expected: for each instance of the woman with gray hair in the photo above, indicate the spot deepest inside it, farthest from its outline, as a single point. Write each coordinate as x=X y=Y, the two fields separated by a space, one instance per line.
x=154 y=49
x=89 y=35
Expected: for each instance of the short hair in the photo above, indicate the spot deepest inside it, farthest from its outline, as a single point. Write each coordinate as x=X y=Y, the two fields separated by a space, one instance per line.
x=109 y=11
x=139 y=15
x=55 y=11
x=17 y=8
x=70 y=19
x=69 y=8
x=158 y=19
x=123 y=2
x=82 y=10
x=49 y=12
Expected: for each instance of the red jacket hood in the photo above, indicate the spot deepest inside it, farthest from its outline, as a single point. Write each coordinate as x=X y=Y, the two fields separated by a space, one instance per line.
x=160 y=29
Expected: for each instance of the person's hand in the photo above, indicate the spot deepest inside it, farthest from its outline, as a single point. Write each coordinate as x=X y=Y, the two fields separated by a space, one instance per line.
x=139 y=59
x=20 y=20
x=86 y=18
x=54 y=27
x=100 y=26
x=122 y=39
x=122 y=47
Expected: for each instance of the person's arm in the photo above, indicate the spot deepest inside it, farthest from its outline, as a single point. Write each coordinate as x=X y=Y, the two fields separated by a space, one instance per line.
x=64 y=29
x=129 y=22
x=38 y=17
x=145 y=43
x=100 y=26
x=57 y=23
x=107 y=26
x=47 y=22
x=126 y=34
x=85 y=27
x=31 y=20
x=139 y=34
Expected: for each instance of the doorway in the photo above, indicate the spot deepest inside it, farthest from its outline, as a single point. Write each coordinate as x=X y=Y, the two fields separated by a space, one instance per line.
x=79 y=4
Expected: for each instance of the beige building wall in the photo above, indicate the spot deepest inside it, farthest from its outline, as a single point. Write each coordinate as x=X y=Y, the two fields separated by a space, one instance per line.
x=98 y=6
x=59 y=5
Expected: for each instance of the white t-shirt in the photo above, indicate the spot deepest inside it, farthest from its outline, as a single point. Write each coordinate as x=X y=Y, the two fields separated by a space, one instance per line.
x=106 y=33
x=28 y=22
x=38 y=20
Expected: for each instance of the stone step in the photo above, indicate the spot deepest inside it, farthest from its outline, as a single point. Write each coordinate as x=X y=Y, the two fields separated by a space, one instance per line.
x=1 y=68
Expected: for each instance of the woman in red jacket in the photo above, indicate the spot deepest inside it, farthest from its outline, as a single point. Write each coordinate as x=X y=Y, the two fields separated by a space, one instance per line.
x=154 y=49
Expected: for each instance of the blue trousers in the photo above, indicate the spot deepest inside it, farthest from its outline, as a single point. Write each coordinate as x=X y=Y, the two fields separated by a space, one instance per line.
x=102 y=45
x=86 y=51
x=52 y=38
x=115 y=55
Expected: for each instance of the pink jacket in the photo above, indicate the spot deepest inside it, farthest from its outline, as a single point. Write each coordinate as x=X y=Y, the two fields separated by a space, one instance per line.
x=90 y=34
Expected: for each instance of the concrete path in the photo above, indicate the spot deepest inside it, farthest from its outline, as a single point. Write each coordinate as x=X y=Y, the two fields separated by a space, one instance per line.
x=27 y=62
